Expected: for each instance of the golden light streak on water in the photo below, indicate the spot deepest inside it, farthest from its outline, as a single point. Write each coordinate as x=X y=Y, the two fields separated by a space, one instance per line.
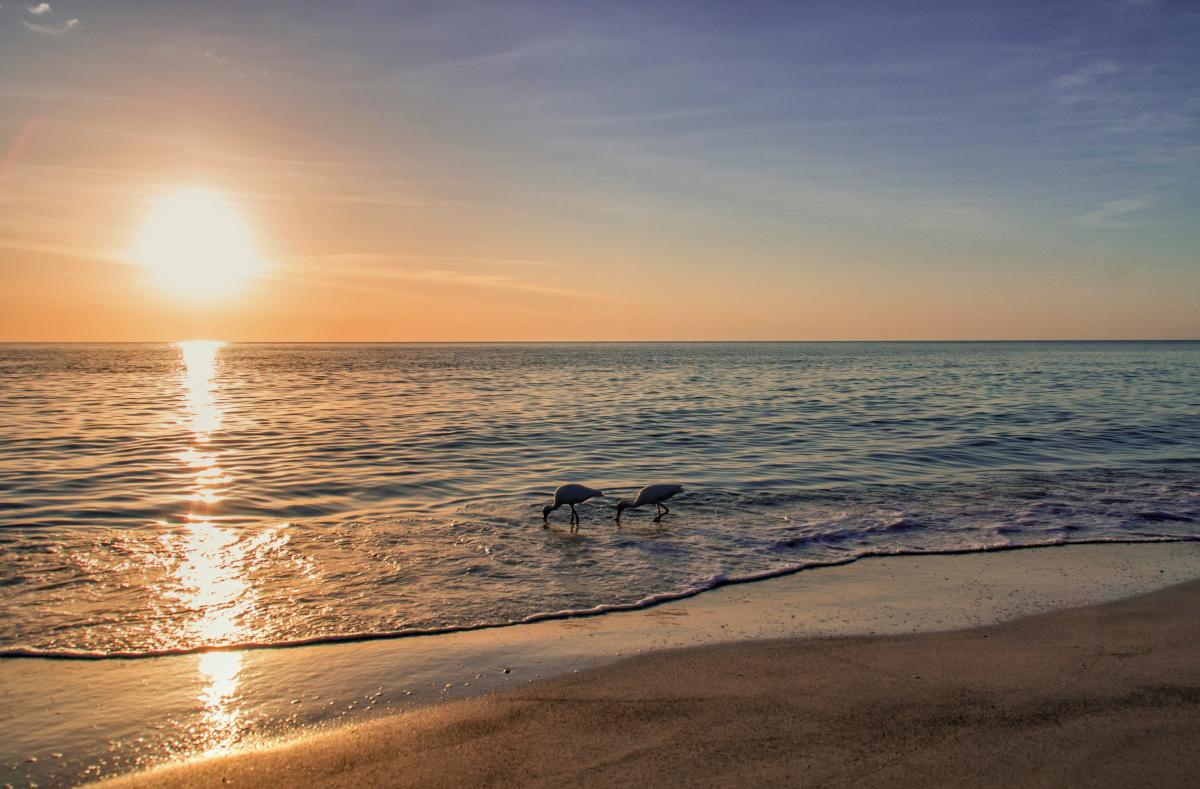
x=211 y=581
x=213 y=559
x=199 y=369
x=221 y=673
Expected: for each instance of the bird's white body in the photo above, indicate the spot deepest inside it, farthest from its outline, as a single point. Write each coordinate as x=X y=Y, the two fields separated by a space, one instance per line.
x=570 y=494
x=651 y=494
x=574 y=494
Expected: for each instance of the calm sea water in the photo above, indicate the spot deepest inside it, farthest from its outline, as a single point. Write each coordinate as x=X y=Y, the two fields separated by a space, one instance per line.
x=168 y=497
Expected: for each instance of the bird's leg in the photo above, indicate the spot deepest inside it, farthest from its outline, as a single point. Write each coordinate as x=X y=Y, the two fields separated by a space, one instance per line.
x=658 y=517
x=574 y=515
x=665 y=510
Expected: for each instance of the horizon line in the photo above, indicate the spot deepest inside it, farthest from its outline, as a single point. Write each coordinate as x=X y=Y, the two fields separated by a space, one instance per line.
x=603 y=342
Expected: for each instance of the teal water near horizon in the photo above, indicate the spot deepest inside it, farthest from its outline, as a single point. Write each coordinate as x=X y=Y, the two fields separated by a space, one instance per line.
x=157 y=498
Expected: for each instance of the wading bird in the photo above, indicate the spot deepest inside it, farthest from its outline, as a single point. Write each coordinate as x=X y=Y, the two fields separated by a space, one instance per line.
x=570 y=494
x=651 y=494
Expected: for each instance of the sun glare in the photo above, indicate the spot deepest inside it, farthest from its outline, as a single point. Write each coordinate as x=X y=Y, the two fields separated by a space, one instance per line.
x=195 y=246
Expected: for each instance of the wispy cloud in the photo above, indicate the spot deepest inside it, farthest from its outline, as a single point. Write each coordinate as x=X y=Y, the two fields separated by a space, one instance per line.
x=74 y=251
x=39 y=9
x=1108 y=213
x=1085 y=75
x=532 y=53
x=380 y=270
x=51 y=29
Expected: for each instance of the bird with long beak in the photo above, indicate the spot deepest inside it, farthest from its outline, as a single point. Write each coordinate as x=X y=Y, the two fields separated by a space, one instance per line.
x=651 y=494
x=570 y=494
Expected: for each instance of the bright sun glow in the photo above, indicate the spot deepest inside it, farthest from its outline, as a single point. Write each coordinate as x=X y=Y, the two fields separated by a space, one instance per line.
x=196 y=246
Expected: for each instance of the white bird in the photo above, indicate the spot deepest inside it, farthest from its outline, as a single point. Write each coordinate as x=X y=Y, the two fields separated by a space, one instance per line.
x=651 y=494
x=570 y=494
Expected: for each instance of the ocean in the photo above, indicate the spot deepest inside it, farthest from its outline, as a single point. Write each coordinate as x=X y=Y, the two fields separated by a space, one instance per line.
x=164 y=498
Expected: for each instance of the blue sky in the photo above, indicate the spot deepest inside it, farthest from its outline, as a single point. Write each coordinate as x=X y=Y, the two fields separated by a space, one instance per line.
x=1021 y=167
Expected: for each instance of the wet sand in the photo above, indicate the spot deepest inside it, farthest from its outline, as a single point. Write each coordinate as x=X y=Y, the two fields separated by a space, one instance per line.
x=1102 y=695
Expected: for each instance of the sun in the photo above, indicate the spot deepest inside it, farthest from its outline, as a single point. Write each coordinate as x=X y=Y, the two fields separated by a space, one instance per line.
x=195 y=245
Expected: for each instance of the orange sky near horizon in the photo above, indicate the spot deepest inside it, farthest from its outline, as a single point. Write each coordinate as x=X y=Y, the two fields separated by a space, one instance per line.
x=355 y=270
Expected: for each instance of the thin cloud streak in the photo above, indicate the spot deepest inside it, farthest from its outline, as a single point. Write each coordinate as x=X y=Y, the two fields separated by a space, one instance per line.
x=1108 y=214
x=52 y=30
x=75 y=252
x=381 y=269
x=1086 y=74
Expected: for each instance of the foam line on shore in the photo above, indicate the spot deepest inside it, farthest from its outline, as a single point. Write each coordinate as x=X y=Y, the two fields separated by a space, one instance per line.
x=714 y=582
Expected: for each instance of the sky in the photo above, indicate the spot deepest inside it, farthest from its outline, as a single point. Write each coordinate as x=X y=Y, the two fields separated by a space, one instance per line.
x=603 y=171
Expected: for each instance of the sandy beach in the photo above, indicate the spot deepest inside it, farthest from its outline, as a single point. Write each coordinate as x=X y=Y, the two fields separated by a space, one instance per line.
x=1104 y=695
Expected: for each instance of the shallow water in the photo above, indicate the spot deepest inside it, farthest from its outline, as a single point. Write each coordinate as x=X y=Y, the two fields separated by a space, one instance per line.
x=170 y=497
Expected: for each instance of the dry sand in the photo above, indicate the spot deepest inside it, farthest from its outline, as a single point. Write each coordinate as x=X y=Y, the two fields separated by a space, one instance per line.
x=1107 y=695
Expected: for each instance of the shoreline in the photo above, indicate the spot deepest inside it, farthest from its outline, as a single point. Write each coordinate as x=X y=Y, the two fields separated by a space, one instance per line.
x=108 y=718
x=645 y=604
x=1100 y=695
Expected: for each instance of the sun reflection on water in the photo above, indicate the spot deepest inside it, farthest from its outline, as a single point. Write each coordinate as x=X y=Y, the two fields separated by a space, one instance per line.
x=211 y=567
x=199 y=369
x=211 y=584
x=221 y=673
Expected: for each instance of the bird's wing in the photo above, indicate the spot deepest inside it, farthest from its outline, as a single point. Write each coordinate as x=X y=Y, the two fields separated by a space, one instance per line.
x=574 y=493
x=653 y=493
